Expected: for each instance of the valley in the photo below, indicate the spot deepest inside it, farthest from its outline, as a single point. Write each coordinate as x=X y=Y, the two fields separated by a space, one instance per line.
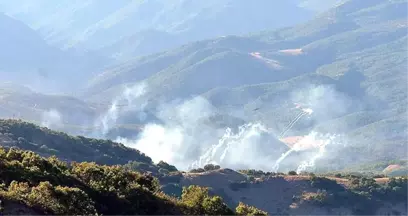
x=245 y=102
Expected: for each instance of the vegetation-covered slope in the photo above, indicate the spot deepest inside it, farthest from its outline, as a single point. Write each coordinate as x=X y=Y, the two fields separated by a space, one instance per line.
x=356 y=53
x=30 y=184
x=47 y=142
x=329 y=194
x=35 y=185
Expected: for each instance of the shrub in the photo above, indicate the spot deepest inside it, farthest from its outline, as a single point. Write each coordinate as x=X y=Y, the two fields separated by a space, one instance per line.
x=200 y=203
x=292 y=173
x=53 y=200
x=243 y=209
x=167 y=166
x=210 y=167
x=199 y=170
x=320 y=198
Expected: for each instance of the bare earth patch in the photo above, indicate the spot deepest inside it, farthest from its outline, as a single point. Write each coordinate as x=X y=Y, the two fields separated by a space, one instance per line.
x=275 y=64
x=292 y=51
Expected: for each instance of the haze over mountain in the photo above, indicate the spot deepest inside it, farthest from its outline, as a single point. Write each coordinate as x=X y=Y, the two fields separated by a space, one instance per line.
x=158 y=99
x=128 y=28
x=26 y=58
x=348 y=65
x=339 y=77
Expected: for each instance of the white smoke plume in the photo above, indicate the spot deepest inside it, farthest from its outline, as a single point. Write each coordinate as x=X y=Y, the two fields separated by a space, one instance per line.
x=130 y=99
x=51 y=119
x=233 y=149
x=323 y=101
x=181 y=135
x=318 y=142
x=187 y=140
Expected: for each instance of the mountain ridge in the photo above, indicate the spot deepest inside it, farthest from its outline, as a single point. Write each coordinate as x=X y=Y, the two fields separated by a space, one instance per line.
x=332 y=59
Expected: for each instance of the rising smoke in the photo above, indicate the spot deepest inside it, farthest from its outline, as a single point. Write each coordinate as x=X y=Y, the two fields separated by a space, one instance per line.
x=130 y=99
x=187 y=140
x=51 y=119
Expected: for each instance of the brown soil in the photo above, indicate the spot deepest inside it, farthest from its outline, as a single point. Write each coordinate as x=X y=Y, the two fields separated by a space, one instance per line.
x=292 y=51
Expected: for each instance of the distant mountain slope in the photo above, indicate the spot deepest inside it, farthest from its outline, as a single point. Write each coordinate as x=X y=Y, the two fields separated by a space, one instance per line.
x=51 y=110
x=319 y=5
x=109 y=26
x=222 y=62
x=27 y=59
x=321 y=42
x=355 y=53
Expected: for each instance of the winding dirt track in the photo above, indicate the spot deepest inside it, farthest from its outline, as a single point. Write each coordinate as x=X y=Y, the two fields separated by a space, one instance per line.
x=275 y=64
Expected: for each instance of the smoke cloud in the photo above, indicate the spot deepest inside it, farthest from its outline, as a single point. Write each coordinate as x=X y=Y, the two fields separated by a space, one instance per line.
x=51 y=119
x=130 y=99
x=181 y=135
x=187 y=139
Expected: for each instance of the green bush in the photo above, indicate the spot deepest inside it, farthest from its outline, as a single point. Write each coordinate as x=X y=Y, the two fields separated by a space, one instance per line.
x=210 y=167
x=52 y=200
x=243 y=209
x=167 y=166
x=199 y=170
x=200 y=203
x=292 y=173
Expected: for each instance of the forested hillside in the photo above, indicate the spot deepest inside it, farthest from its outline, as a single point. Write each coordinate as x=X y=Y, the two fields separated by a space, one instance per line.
x=34 y=185
x=350 y=63
x=31 y=184
x=128 y=107
x=46 y=142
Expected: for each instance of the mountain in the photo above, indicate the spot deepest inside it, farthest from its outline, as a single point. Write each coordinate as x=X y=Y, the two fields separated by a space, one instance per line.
x=61 y=112
x=319 y=5
x=47 y=186
x=68 y=183
x=299 y=195
x=26 y=58
x=106 y=25
x=348 y=65
x=46 y=142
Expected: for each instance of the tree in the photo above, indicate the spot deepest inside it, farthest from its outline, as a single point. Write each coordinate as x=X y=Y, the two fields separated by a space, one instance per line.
x=292 y=173
x=200 y=203
x=199 y=170
x=167 y=166
x=216 y=206
x=210 y=167
x=243 y=209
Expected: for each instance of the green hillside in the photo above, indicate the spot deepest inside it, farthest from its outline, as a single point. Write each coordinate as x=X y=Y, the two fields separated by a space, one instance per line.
x=31 y=184
x=47 y=142
x=356 y=51
x=74 y=179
